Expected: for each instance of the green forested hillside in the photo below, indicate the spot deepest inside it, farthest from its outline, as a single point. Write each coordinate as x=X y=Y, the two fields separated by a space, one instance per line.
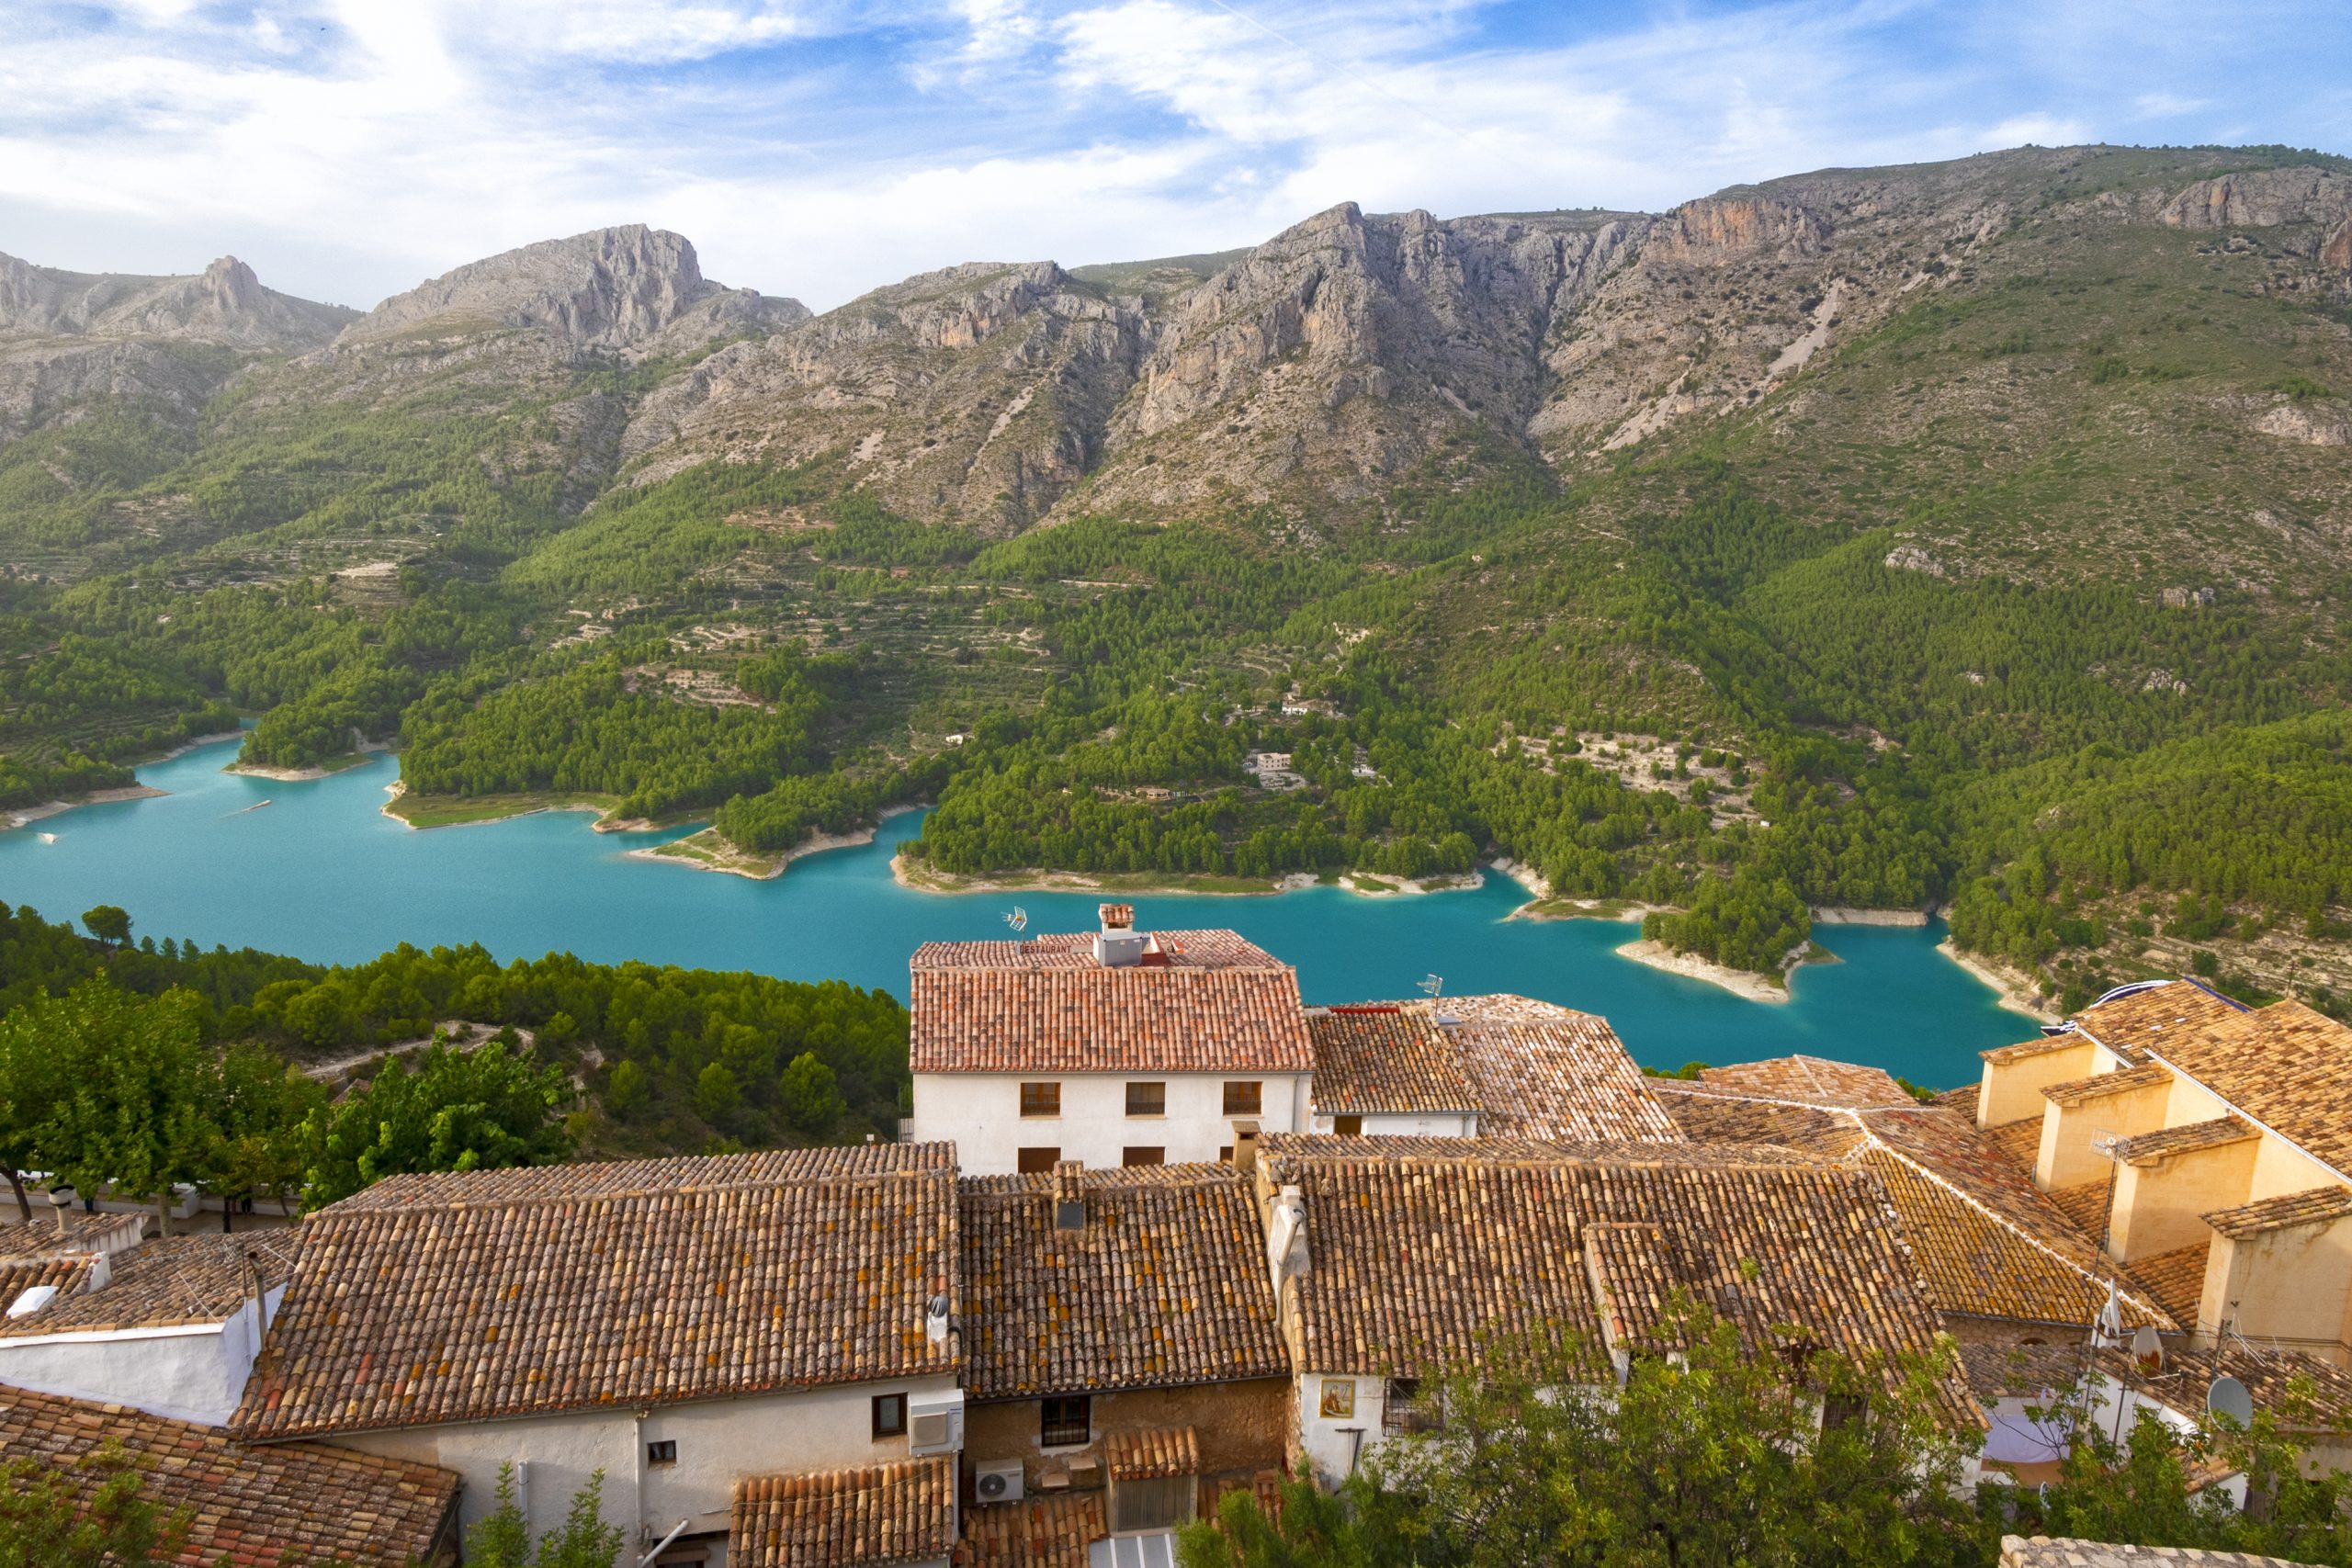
x=2023 y=595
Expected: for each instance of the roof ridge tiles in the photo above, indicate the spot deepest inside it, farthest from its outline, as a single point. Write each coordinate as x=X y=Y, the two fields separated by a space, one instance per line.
x=619 y=1194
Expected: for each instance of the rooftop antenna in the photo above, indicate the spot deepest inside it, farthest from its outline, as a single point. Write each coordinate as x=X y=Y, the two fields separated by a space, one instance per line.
x=1432 y=984
x=2227 y=1396
x=1018 y=920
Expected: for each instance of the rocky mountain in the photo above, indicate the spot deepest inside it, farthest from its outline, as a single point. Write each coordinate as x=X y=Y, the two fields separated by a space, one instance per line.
x=979 y=393
x=224 y=305
x=629 y=289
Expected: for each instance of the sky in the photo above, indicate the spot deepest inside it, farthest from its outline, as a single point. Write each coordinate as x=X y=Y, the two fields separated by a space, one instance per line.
x=349 y=149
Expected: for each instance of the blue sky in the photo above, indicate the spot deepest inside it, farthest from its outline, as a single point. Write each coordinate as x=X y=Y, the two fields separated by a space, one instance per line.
x=349 y=148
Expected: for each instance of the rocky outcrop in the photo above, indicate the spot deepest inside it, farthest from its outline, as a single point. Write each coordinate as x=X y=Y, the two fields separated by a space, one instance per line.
x=629 y=289
x=2261 y=198
x=1718 y=230
x=979 y=393
x=224 y=305
x=49 y=379
x=1344 y=350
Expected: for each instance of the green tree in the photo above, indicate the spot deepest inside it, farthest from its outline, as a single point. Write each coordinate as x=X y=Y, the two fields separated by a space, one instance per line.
x=717 y=1095
x=110 y=923
x=808 y=1096
x=624 y=1088
x=501 y=1537
x=254 y=1144
x=457 y=1110
x=95 y=1512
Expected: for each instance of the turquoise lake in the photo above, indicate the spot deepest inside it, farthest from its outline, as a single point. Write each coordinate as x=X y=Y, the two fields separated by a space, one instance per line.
x=323 y=873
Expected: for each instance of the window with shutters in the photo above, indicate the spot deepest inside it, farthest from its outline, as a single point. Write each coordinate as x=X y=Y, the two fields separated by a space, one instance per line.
x=1041 y=1100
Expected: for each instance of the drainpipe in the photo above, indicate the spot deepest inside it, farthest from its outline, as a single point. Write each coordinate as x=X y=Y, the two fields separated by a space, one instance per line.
x=659 y=1546
x=637 y=1479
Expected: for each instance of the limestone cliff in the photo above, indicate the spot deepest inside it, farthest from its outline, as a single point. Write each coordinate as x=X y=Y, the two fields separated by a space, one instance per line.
x=224 y=305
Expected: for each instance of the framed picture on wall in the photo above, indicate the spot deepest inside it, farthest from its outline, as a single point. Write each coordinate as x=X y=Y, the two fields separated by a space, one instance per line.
x=1339 y=1401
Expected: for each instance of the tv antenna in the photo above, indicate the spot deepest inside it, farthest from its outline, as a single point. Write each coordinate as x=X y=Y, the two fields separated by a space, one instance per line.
x=1432 y=984
x=1018 y=919
x=2227 y=1396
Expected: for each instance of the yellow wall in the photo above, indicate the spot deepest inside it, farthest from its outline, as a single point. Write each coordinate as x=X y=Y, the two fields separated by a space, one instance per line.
x=2159 y=1207
x=2283 y=1168
x=2067 y=1159
x=2290 y=1285
x=2012 y=1092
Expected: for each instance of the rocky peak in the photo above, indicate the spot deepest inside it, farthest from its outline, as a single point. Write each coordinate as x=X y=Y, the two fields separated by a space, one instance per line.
x=2261 y=198
x=627 y=288
x=1716 y=230
x=224 y=304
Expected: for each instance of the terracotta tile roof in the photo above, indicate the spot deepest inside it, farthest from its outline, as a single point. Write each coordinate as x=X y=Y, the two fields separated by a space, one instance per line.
x=1152 y=1453
x=640 y=1178
x=2018 y=1143
x=1037 y=1532
x=1210 y=948
x=2063 y=1552
x=2026 y=1050
x=471 y=1310
x=1165 y=1285
x=2305 y=1393
x=1378 y=1057
x=62 y=1274
x=1529 y=1068
x=2100 y=1086
x=900 y=1512
x=2084 y=1203
x=82 y=1232
x=1808 y=1080
x=168 y=1282
x=1045 y=1006
x=2131 y=1026
x=1961 y=1102
x=1989 y=1242
x=2150 y=1148
x=2024 y=1371
x=1417 y=1256
x=253 y=1507
x=2176 y=1278
x=2319 y=1206
x=2285 y=1066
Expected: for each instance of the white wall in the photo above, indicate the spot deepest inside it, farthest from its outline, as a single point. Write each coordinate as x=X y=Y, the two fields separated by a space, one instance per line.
x=719 y=1442
x=980 y=1113
x=1334 y=1446
x=1442 y=1125
x=189 y=1374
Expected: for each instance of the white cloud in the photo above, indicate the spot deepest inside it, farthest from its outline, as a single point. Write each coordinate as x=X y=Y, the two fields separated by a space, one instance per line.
x=2166 y=106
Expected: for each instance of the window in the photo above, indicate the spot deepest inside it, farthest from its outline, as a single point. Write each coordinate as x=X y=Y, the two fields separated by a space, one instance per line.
x=1408 y=1409
x=889 y=1416
x=1225 y=1154
x=1242 y=1096
x=1036 y=1162
x=1143 y=1154
x=1041 y=1100
x=1347 y=1126
x=662 y=1453
x=1065 y=1422
x=1147 y=1099
x=1844 y=1412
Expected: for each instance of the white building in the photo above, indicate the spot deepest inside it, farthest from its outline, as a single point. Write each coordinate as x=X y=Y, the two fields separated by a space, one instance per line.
x=754 y=1350
x=1117 y=1047
x=170 y=1327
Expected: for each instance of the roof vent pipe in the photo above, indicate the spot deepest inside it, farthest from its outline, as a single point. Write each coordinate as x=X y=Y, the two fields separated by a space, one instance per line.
x=61 y=1199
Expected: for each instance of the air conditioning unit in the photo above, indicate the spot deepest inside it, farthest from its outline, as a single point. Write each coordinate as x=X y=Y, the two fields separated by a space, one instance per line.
x=935 y=1423
x=999 y=1481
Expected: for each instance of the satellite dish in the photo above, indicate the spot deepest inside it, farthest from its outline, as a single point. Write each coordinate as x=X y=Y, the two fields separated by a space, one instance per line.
x=2147 y=1350
x=2228 y=1397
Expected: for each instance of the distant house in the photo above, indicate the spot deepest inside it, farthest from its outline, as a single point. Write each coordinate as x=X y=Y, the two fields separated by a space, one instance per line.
x=170 y=1327
x=1111 y=1048
x=1401 y=1259
x=1497 y=1066
x=1123 y=1353
x=2224 y=1134
x=291 y=1503
x=2003 y=1262
x=735 y=1342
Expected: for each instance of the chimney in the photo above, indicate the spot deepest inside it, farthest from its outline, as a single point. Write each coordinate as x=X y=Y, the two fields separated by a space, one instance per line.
x=1286 y=1236
x=1245 y=1146
x=1118 y=945
x=1070 y=1195
x=935 y=1313
x=101 y=1273
x=61 y=1199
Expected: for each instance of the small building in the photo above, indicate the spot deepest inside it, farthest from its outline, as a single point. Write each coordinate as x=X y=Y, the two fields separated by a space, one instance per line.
x=1117 y=1047
x=289 y=1503
x=2211 y=1143
x=690 y=1327
x=1494 y=1066
x=1121 y=1348
x=2003 y=1263
x=1396 y=1267
x=170 y=1327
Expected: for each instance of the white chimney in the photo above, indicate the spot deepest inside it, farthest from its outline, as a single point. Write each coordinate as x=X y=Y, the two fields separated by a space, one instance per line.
x=101 y=1273
x=935 y=1314
x=1286 y=1238
x=1118 y=945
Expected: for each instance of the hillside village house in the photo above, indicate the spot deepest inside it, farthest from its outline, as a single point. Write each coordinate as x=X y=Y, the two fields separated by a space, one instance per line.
x=170 y=1326
x=1115 y=1048
x=1497 y=1066
x=755 y=1350
x=1401 y=1259
x=2209 y=1142
x=1122 y=1362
